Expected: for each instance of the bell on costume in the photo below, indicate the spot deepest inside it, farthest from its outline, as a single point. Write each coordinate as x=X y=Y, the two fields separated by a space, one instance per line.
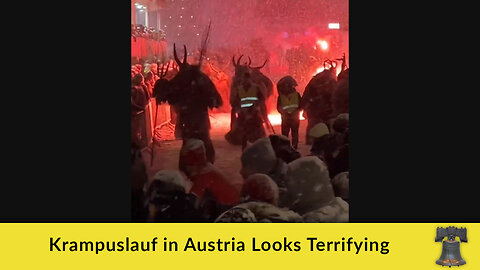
x=451 y=247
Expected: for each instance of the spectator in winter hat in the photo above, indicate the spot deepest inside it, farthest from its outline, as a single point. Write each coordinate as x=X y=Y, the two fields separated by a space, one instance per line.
x=205 y=176
x=283 y=148
x=167 y=200
x=260 y=157
x=311 y=193
x=260 y=195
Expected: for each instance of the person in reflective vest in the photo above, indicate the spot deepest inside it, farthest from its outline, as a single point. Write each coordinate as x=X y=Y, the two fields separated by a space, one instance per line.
x=288 y=105
x=248 y=97
x=252 y=111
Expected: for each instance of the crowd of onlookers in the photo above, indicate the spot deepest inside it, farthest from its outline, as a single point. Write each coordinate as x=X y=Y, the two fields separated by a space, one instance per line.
x=147 y=32
x=277 y=186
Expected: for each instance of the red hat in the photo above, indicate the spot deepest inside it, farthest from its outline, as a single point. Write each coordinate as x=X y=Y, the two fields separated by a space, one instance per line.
x=193 y=153
x=260 y=187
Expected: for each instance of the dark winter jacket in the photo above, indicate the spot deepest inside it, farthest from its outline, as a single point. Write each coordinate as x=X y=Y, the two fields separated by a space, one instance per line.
x=139 y=99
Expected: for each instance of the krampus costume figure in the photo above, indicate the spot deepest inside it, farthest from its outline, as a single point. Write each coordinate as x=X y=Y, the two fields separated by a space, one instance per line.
x=222 y=83
x=161 y=88
x=193 y=94
x=162 y=93
x=340 y=95
x=317 y=98
x=265 y=84
x=248 y=96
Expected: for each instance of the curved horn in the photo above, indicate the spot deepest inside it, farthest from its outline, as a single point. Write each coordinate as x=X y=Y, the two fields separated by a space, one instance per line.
x=331 y=64
x=233 y=61
x=238 y=61
x=259 y=67
x=185 y=56
x=166 y=70
x=326 y=61
x=175 y=55
x=249 y=61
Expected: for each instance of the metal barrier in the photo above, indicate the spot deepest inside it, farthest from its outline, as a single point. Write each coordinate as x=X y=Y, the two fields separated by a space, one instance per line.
x=155 y=118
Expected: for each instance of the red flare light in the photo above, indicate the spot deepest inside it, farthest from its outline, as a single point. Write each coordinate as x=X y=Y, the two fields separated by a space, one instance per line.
x=220 y=122
x=323 y=44
x=321 y=68
x=276 y=118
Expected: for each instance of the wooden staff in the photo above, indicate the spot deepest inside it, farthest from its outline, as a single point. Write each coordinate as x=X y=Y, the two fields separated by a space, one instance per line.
x=161 y=75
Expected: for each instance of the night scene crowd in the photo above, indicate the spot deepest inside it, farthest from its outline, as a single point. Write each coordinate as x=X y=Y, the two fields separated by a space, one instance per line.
x=279 y=184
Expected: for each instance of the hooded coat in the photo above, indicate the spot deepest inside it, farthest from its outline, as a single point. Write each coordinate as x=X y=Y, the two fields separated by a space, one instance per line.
x=139 y=99
x=260 y=187
x=311 y=192
x=318 y=131
x=168 y=201
x=341 y=183
x=260 y=157
x=260 y=195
